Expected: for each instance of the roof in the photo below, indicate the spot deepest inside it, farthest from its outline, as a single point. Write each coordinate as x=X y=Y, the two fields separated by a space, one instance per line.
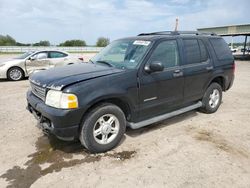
x=170 y=34
x=230 y=30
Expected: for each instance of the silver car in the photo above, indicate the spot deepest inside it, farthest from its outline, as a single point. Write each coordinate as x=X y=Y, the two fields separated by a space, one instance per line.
x=30 y=62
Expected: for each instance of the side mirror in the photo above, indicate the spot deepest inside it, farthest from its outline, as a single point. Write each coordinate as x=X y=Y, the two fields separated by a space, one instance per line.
x=155 y=66
x=32 y=58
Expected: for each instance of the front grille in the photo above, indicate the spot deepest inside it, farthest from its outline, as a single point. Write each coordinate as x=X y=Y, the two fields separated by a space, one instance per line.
x=38 y=91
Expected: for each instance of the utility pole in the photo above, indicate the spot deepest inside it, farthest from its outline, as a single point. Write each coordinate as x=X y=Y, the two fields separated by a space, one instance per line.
x=176 y=24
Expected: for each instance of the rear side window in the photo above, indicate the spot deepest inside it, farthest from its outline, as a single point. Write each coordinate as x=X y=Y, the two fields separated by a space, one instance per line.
x=167 y=53
x=221 y=49
x=57 y=55
x=192 y=51
x=195 y=51
x=203 y=51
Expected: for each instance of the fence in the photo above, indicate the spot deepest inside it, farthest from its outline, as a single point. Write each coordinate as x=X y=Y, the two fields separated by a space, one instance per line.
x=20 y=49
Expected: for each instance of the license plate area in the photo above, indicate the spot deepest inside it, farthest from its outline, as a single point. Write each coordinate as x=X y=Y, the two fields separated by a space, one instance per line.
x=43 y=122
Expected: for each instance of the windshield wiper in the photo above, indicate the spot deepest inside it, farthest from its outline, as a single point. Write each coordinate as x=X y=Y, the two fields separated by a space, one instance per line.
x=106 y=63
x=91 y=61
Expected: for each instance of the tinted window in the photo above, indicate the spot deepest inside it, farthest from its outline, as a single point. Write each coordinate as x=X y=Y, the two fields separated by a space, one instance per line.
x=203 y=51
x=192 y=51
x=221 y=49
x=167 y=53
x=57 y=55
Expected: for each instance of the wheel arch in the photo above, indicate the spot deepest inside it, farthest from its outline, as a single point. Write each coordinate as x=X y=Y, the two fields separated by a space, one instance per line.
x=220 y=79
x=118 y=101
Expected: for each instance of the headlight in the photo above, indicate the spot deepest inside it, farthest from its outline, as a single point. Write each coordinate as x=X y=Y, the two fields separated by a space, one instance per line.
x=62 y=100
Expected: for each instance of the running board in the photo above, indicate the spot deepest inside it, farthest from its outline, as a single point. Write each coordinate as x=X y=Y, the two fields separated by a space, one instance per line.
x=164 y=116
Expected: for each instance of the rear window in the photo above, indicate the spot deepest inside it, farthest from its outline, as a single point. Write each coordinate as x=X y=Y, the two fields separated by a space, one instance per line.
x=221 y=49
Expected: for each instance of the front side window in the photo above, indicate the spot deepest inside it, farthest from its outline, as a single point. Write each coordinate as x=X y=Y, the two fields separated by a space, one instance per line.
x=41 y=55
x=167 y=53
x=56 y=55
x=125 y=53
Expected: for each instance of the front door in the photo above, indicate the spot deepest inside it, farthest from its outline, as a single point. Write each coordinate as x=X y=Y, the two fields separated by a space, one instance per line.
x=161 y=92
x=38 y=61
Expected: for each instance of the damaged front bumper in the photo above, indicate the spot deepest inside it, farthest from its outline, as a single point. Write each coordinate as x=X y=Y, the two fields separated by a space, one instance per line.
x=64 y=124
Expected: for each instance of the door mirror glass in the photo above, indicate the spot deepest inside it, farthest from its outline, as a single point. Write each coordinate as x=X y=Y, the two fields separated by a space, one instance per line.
x=155 y=66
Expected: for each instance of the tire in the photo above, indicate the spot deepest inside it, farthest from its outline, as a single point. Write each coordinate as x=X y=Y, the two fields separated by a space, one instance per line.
x=212 y=98
x=108 y=133
x=15 y=74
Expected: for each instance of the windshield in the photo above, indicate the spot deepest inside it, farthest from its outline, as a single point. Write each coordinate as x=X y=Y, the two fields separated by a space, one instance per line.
x=23 y=56
x=125 y=53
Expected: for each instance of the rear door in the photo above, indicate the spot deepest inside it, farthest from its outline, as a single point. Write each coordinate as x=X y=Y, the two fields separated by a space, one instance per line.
x=58 y=59
x=161 y=92
x=38 y=61
x=197 y=68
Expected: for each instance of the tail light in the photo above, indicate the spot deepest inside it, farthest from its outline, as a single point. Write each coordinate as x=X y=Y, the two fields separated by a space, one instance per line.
x=81 y=58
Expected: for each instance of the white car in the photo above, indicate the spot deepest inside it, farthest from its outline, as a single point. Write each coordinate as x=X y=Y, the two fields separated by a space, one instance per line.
x=30 y=62
x=233 y=50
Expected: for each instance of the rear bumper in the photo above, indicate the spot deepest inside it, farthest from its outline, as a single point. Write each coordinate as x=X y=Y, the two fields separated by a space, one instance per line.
x=230 y=84
x=62 y=123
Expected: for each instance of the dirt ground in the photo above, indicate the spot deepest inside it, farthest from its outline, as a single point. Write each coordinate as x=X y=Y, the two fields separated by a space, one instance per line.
x=191 y=150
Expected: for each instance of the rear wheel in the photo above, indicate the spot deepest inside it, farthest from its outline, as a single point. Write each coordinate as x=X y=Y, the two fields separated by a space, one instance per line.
x=15 y=74
x=103 y=128
x=212 y=98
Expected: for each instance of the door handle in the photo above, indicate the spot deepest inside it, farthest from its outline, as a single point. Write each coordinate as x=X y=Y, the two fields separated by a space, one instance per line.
x=209 y=68
x=178 y=73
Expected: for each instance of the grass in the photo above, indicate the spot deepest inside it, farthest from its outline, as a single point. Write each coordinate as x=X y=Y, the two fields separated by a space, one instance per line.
x=6 y=53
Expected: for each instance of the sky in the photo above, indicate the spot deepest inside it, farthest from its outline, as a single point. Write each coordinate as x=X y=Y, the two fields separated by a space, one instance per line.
x=30 y=21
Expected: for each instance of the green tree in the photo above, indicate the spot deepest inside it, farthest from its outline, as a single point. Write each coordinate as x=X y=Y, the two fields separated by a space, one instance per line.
x=73 y=43
x=42 y=43
x=22 y=44
x=7 y=40
x=102 y=42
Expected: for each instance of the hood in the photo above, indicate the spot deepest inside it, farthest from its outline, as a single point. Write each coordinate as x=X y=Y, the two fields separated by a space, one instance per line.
x=10 y=61
x=59 y=77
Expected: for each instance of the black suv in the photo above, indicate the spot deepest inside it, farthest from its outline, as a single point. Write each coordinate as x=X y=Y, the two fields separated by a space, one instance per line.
x=132 y=82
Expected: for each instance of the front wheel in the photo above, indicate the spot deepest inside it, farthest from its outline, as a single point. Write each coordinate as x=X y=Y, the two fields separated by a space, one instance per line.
x=212 y=98
x=15 y=74
x=103 y=128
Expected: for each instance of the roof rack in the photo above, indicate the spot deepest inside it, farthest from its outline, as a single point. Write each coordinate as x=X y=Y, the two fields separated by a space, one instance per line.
x=178 y=33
